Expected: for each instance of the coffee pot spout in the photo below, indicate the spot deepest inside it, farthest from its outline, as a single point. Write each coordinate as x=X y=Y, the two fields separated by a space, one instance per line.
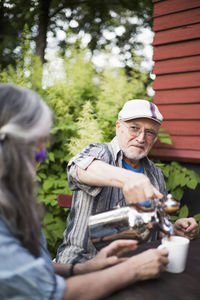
x=164 y=209
x=165 y=225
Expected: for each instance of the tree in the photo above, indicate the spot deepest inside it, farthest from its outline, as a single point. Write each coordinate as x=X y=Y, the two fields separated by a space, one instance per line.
x=93 y=17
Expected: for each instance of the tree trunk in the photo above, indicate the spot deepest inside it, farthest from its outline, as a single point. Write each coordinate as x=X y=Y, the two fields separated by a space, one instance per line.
x=41 y=40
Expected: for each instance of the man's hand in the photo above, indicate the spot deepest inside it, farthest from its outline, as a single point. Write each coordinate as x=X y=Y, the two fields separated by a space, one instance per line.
x=186 y=227
x=109 y=255
x=138 y=188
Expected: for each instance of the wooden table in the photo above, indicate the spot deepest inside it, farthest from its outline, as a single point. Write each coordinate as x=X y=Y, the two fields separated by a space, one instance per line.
x=183 y=286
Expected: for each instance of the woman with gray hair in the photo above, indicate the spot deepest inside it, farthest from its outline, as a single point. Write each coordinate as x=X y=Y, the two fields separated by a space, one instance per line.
x=26 y=269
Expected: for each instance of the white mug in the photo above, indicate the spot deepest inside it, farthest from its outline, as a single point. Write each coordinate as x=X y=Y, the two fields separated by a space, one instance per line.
x=177 y=247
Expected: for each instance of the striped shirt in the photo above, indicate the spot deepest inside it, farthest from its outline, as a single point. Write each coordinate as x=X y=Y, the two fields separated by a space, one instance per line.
x=89 y=200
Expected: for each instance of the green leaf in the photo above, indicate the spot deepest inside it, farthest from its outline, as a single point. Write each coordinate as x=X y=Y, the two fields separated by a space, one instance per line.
x=50 y=199
x=183 y=213
x=51 y=156
x=62 y=183
x=173 y=218
x=42 y=175
x=165 y=140
x=48 y=219
x=178 y=193
x=192 y=183
x=197 y=217
x=47 y=184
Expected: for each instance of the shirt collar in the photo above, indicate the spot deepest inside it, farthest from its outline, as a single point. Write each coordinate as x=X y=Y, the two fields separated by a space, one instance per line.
x=116 y=148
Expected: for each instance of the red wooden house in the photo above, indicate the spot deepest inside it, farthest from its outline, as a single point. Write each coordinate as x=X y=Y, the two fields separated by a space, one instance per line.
x=177 y=85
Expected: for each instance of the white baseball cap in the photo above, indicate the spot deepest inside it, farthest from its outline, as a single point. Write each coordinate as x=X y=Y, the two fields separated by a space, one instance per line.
x=137 y=108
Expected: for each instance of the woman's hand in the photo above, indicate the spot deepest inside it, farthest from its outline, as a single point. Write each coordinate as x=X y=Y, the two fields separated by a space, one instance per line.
x=149 y=264
x=108 y=256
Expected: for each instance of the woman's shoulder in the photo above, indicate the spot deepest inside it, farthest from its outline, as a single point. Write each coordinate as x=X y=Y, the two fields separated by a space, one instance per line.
x=4 y=224
x=6 y=233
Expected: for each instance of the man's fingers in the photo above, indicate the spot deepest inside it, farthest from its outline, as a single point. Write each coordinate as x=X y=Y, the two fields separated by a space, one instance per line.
x=151 y=192
x=157 y=194
x=192 y=225
x=139 y=189
x=188 y=224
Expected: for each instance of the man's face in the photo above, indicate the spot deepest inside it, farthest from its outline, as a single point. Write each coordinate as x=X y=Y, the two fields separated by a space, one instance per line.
x=136 y=137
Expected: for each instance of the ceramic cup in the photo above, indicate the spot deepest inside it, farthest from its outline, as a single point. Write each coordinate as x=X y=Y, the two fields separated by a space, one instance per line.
x=177 y=247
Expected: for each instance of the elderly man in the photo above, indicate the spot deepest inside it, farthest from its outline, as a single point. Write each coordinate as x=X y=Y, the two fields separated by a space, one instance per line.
x=103 y=174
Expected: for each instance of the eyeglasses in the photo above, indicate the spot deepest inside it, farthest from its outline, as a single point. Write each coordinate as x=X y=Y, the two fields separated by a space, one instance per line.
x=136 y=131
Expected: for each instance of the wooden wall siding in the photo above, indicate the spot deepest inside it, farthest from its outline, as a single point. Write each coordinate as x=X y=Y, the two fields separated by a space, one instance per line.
x=176 y=154
x=177 y=84
x=177 y=65
x=177 y=80
x=181 y=112
x=177 y=127
x=181 y=49
x=187 y=32
x=177 y=19
x=165 y=7
x=185 y=95
x=188 y=143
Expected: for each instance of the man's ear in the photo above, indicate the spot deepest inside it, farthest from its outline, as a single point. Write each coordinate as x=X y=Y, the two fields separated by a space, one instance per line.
x=117 y=124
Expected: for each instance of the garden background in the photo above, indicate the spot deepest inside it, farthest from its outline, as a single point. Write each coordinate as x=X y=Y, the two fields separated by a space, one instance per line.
x=85 y=99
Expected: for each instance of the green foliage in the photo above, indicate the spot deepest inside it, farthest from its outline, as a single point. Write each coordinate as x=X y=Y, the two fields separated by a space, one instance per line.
x=28 y=72
x=177 y=178
x=52 y=178
x=182 y=213
x=88 y=130
x=164 y=136
x=197 y=218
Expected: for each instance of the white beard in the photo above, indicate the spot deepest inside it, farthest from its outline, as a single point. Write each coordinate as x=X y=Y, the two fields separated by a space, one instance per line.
x=132 y=157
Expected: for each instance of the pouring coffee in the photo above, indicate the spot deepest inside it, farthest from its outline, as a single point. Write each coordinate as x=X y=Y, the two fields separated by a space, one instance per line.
x=135 y=221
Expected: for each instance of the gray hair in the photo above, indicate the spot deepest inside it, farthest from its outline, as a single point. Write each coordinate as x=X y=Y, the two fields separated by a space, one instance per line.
x=24 y=119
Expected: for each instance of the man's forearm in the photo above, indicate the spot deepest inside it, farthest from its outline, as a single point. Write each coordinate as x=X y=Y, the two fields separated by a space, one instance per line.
x=136 y=187
x=100 y=173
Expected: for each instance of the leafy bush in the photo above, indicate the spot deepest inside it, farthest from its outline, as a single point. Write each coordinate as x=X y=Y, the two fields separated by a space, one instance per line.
x=177 y=178
x=88 y=130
